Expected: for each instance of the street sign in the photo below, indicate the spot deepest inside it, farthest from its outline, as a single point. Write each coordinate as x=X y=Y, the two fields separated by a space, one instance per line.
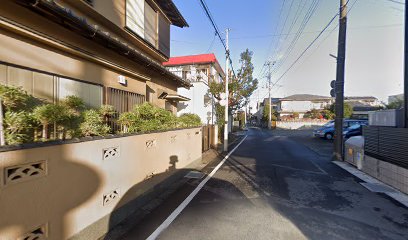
x=223 y=96
x=223 y=102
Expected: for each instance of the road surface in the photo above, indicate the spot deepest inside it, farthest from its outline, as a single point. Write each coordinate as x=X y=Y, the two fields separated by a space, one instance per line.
x=279 y=185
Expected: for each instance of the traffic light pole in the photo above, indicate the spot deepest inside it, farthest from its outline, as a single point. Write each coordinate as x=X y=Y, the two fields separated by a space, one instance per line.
x=406 y=67
x=341 y=59
x=269 y=99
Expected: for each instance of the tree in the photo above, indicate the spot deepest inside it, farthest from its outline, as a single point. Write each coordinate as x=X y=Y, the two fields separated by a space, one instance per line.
x=397 y=104
x=348 y=110
x=240 y=88
x=265 y=114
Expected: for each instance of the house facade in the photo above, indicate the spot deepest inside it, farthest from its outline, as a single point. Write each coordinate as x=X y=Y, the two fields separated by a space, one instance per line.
x=104 y=51
x=200 y=71
x=302 y=103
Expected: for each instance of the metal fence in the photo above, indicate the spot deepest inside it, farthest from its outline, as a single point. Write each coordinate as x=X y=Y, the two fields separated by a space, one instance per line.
x=387 y=144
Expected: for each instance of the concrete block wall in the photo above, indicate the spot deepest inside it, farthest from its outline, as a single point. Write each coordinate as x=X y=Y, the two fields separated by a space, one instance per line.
x=386 y=172
x=61 y=191
x=370 y=166
x=299 y=124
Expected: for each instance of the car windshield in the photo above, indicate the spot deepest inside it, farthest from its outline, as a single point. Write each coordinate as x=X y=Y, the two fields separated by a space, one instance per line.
x=329 y=124
x=355 y=126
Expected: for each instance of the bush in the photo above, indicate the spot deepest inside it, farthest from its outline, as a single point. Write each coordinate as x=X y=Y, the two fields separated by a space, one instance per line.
x=19 y=127
x=190 y=120
x=48 y=114
x=93 y=124
x=16 y=99
x=146 y=118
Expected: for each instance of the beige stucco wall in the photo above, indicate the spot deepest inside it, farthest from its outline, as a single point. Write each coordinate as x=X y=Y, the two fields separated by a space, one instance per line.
x=67 y=196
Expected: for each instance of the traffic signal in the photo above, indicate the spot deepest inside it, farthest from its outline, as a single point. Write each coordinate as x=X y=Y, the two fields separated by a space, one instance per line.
x=333 y=88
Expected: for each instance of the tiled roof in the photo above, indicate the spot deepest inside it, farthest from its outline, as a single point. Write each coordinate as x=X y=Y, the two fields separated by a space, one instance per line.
x=192 y=59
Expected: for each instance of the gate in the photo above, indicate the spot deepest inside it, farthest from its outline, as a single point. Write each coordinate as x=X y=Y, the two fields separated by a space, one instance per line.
x=207 y=136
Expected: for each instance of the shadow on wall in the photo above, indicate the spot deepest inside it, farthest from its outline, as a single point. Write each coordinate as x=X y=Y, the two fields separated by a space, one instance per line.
x=41 y=190
x=139 y=195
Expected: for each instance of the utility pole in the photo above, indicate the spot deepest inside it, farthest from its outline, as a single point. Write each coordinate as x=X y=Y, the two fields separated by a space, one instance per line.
x=406 y=68
x=269 y=98
x=226 y=93
x=341 y=59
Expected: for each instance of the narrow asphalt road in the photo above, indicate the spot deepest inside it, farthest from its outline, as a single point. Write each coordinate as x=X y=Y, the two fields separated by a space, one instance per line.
x=279 y=185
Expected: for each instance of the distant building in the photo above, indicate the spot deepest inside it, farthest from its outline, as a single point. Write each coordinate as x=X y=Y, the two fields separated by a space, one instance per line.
x=302 y=103
x=200 y=71
x=363 y=105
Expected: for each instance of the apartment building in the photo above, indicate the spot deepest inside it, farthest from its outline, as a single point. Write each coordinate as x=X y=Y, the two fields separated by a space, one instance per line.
x=104 y=51
x=200 y=71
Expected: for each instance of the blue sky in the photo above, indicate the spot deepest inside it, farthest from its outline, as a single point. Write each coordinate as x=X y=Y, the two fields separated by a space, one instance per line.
x=374 y=63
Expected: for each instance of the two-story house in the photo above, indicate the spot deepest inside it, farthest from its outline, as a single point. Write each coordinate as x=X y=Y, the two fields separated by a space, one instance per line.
x=200 y=71
x=104 y=51
x=302 y=103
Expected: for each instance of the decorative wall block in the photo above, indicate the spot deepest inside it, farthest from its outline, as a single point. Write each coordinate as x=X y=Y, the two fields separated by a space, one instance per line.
x=24 y=172
x=111 y=153
x=111 y=197
x=173 y=139
x=151 y=143
x=36 y=234
x=198 y=132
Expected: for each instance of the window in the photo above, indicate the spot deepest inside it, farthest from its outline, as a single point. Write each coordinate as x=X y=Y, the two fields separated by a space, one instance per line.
x=185 y=74
x=164 y=35
x=135 y=16
x=123 y=101
x=150 y=25
x=50 y=87
x=90 y=93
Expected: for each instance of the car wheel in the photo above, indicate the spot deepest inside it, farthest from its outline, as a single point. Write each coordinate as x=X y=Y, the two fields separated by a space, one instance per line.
x=328 y=136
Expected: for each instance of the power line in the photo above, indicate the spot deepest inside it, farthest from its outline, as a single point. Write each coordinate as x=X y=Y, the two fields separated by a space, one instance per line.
x=307 y=48
x=270 y=44
x=394 y=1
x=217 y=32
x=292 y=45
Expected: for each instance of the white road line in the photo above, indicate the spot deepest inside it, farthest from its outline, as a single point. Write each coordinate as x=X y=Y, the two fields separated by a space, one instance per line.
x=190 y=197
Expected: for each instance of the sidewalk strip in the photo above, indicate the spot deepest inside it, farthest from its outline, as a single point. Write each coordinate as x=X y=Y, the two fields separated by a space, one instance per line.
x=190 y=197
x=373 y=184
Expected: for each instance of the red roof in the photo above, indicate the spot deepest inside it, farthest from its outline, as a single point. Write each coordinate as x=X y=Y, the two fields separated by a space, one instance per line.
x=192 y=59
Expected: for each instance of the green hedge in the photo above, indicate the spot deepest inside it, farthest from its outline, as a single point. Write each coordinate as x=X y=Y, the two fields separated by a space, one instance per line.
x=29 y=119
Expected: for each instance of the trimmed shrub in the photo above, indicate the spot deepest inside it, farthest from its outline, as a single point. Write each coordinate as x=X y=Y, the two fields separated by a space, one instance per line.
x=48 y=114
x=93 y=124
x=16 y=99
x=189 y=120
x=19 y=127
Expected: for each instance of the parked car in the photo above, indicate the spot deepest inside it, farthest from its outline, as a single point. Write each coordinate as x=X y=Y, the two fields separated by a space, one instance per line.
x=355 y=130
x=327 y=130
